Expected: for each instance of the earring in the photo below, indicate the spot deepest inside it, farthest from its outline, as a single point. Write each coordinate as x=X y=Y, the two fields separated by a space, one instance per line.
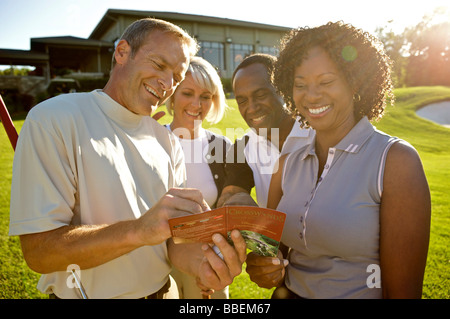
x=356 y=97
x=295 y=113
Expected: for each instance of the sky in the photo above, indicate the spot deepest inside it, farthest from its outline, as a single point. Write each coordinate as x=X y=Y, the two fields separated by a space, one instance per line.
x=21 y=20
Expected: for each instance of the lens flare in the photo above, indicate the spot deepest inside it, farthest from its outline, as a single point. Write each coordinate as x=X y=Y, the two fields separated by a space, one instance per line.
x=349 y=53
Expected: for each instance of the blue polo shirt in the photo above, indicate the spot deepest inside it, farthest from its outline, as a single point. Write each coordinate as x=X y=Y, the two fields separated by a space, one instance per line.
x=332 y=224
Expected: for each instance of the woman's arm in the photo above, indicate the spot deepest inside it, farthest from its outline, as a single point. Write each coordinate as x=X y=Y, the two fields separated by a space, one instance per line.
x=268 y=272
x=275 y=191
x=404 y=223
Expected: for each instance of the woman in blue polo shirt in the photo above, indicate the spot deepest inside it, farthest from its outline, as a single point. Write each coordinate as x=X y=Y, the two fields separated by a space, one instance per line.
x=357 y=200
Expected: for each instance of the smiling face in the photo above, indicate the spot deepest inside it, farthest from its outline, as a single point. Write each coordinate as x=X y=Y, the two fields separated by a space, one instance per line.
x=259 y=104
x=144 y=81
x=321 y=93
x=191 y=105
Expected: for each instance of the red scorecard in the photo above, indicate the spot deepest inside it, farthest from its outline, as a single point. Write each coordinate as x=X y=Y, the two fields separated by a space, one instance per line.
x=261 y=227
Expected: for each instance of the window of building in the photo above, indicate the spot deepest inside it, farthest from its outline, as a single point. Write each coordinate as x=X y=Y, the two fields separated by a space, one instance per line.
x=213 y=52
x=239 y=52
x=268 y=50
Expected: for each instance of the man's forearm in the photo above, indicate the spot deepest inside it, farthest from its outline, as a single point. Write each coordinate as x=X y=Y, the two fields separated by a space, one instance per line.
x=87 y=246
x=92 y=245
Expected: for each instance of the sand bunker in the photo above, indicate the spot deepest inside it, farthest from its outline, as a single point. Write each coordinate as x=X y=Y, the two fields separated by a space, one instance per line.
x=436 y=112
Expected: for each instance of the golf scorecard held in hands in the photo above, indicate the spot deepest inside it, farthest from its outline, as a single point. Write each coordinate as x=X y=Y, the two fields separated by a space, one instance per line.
x=260 y=227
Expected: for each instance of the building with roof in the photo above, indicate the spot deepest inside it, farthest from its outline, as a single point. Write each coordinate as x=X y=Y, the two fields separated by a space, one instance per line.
x=223 y=42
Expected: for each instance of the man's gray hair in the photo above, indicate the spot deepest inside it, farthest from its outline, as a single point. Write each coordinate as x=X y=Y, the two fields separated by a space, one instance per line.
x=136 y=33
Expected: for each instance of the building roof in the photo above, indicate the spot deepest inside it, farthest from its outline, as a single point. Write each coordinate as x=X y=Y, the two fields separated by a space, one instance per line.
x=112 y=14
x=21 y=57
x=70 y=40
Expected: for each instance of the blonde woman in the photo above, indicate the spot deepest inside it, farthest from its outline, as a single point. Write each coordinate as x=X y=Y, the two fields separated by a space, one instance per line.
x=200 y=97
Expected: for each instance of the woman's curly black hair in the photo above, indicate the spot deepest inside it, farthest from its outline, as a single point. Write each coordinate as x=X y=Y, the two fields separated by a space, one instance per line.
x=358 y=55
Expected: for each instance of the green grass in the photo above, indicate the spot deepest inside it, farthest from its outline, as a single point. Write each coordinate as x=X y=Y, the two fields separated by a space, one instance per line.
x=431 y=140
x=16 y=279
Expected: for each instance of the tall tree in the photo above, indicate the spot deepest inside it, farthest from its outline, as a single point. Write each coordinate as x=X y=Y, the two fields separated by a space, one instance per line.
x=396 y=46
x=429 y=51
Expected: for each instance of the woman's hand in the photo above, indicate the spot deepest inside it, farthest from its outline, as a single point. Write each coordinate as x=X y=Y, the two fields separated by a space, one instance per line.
x=266 y=272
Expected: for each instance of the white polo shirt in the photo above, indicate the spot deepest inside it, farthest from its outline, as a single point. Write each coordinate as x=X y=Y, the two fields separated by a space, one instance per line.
x=84 y=159
x=262 y=156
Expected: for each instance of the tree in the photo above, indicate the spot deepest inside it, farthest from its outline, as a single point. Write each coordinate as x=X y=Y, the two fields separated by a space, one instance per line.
x=421 y=53
x=15 y=71
x=429 y=52
x=396 y=47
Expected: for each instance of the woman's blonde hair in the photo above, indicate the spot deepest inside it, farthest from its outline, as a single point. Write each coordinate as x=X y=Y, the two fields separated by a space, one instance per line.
x=206 y=77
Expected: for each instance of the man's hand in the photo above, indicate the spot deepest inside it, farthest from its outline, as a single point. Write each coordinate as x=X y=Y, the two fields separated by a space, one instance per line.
x=235 y=196
x=240 y=199
x=266 y=272
x=215 y=273
x=153 y=226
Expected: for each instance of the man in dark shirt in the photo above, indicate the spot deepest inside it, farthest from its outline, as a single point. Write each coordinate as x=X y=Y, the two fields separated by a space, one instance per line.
x=252 y=159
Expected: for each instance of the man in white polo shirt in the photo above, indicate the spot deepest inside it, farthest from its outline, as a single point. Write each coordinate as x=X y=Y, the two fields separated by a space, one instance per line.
x=95 y=180
x=252 y=160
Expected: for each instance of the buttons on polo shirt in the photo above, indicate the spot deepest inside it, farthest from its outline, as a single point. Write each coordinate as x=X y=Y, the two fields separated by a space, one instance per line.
x=208 y=157
x=216 y=176
x=303 y=226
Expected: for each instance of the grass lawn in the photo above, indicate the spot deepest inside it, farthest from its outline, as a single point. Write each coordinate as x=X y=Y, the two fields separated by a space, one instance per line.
x=431 y=140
